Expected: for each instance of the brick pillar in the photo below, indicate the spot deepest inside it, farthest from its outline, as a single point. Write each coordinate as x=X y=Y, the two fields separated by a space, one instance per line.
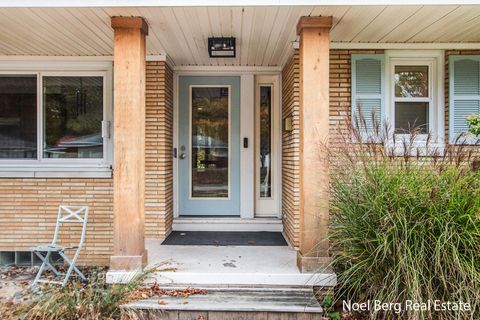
x=314 y=125
x=129 y=143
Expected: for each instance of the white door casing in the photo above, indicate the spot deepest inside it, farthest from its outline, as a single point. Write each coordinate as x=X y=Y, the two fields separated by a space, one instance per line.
x=248 y=188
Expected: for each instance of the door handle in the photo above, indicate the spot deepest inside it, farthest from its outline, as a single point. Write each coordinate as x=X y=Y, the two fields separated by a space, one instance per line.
x=183 y=155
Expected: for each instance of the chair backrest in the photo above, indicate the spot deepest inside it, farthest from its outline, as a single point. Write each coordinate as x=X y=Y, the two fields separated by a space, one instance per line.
x=71 y=214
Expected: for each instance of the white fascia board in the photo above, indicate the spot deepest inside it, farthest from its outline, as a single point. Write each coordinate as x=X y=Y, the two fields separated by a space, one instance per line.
x=149 y=57
x=406 y=46
x=219 y=3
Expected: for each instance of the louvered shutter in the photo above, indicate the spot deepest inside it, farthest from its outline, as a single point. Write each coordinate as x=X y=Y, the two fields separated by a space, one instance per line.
x=368 y=91
x=464 y=73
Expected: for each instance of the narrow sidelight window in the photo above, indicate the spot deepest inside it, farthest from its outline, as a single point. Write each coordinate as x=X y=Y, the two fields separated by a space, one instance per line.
x=72 y=117
x=18 y=116
x=412 y=98
x=265 y=141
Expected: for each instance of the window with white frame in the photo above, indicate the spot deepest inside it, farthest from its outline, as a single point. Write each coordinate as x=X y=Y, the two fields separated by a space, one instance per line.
x=403 y=88
x=411 y=98
x=55 y=119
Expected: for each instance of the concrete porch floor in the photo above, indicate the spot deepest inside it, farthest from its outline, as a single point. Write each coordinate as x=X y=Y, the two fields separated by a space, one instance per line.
x=230 y=266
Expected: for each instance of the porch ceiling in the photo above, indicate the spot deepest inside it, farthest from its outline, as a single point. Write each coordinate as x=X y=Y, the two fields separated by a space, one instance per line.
x=264 y=34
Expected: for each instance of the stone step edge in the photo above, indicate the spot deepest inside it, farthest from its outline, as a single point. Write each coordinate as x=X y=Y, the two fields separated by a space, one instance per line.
x=146 y=305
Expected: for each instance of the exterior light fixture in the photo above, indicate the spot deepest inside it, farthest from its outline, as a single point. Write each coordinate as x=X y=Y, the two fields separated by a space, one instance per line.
x=221 y=47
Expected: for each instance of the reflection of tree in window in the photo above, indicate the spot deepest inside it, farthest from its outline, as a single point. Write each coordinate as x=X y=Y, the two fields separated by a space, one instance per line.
x=210 y=133
x=411 y=99
x=73 y=112
x=411 y=81
x=265 y=140
x=18 y=117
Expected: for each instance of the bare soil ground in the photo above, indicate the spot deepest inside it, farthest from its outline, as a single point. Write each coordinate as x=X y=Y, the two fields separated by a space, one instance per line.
x=14 y=282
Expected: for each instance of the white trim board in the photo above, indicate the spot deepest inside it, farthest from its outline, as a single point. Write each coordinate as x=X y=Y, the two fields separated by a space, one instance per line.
x=247 y=202
x=221 y=70
x=149 y=57
x=227 y=224
x=406 y=46
x=219 y=3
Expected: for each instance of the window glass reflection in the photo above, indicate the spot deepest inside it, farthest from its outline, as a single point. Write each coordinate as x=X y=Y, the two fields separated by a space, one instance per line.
x=411 y=81
x=265 y=141
x=210 y=142
x=18 y=117
x=73 y=114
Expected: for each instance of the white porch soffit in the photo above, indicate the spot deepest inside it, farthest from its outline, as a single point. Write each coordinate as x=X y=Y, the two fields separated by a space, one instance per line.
x=264 y=33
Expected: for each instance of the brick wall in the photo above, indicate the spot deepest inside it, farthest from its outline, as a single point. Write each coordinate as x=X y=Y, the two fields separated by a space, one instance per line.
x=340 y=103
x=28 y=207
x=28 y=212
x=159 y=144
x=290 y=151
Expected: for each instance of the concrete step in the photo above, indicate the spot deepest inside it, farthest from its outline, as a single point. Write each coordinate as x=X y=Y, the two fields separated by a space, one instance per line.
x=232 y=279
x=235 y=303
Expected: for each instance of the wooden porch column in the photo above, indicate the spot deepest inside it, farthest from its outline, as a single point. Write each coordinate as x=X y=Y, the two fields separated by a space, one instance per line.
x=129 y=143
x=314 y=126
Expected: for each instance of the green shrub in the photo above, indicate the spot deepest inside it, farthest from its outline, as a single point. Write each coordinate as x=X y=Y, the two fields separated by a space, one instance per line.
x=406 y=228
x=473 y=122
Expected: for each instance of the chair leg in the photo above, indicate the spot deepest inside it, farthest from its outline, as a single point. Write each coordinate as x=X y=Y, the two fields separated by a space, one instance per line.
x=71 y=268
x=42 y=267
x=47 y=262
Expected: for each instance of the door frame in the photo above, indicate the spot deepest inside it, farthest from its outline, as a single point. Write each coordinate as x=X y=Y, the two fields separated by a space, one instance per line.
x=268 y=207
x=247 y=129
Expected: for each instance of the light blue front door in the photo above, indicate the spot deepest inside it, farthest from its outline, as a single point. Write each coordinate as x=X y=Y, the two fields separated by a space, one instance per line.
x=209 y=146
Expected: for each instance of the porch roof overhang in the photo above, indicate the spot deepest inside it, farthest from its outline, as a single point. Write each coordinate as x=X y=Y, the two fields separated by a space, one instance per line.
x=181 y=3
x=264 y=31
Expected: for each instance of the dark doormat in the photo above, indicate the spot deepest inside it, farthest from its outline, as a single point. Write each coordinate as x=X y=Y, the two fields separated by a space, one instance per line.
x=220 y=238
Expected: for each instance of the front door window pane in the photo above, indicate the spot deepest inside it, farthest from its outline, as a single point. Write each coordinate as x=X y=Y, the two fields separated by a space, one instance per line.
x=18 y=117
x=210 y=142
x=73 y=114
x=265 y=141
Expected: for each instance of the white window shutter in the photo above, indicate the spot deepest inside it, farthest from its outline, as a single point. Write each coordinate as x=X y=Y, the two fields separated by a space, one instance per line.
x=368 y=101
x=464 y=90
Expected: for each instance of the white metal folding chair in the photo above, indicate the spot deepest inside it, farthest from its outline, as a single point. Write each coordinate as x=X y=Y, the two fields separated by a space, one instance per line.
x=66 y=214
